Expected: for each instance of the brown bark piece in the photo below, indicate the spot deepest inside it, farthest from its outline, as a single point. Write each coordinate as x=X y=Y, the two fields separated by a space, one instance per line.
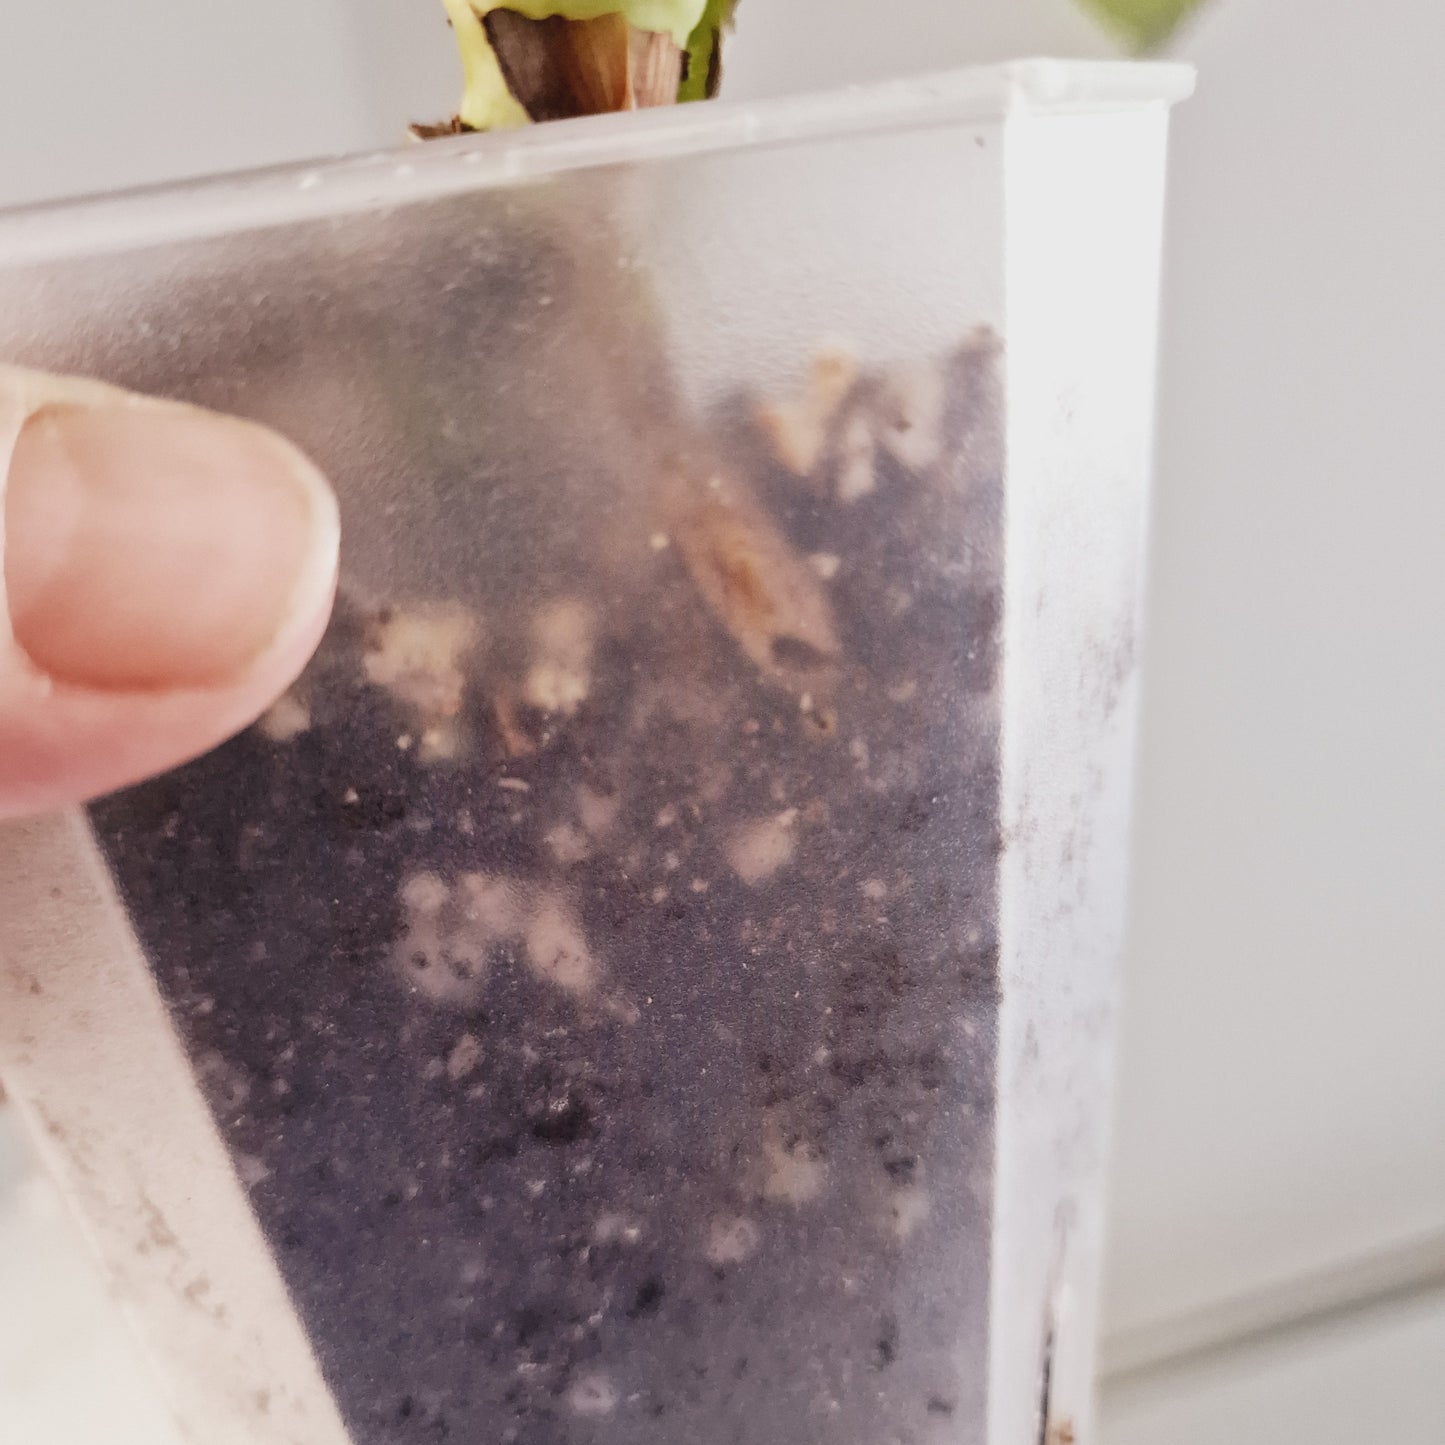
x=657 y=66
x=560 y=68
x=768 y=598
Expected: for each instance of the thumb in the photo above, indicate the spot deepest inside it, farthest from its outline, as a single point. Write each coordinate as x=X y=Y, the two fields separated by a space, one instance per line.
x=167 y=573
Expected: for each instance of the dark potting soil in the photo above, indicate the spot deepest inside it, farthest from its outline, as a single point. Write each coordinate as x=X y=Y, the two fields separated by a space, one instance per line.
x=597 y=993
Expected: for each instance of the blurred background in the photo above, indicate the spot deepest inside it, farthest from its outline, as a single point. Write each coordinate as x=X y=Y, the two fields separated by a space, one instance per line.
x=1278 y=1255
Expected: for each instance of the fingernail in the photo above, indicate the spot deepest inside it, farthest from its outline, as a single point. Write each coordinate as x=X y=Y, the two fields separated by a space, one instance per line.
x=159 y=546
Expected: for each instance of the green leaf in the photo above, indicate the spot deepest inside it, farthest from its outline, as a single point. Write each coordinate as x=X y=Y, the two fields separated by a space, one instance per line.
x=487 y=104
x=677 y=18
x=704 y=49
x=1145 y=24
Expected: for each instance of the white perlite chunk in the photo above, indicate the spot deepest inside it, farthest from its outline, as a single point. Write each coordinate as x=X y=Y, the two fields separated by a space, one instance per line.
x=556 y=948
x=560 y=677
x=449 y=933
x=597 y=812
x=616 y=1229
x=417 y=656
x=731 y=1240
x=251 y=1170
x=912 y=414
x=466 y=1054
x=452 y=932
x=592 y=1395
x=794 y=1173
x=908 y=1207
x=286 y=719
x=568 y=844
x=798 y=428
x=759 y=849
x=857 y=459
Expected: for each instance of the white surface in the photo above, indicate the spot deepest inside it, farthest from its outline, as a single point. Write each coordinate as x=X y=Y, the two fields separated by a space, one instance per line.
x=1374 y=1380
x=1283 y=1082
x=1283 y=1076
x=123 y=1128
x=786 y=45
x=99 y=94
x=1080 y=338
x=70 y=1371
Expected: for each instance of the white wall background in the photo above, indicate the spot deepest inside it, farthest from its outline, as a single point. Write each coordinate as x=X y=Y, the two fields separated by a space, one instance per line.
x=1284 y=1075
x=1282 y=1114
x=1282 y=1109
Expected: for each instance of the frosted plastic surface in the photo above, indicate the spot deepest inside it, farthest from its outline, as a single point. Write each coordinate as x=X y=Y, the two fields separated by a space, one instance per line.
x=591 y=962
x=592 y=966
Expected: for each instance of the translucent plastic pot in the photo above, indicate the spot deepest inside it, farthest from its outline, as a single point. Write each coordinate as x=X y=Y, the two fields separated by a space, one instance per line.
x=652 y=980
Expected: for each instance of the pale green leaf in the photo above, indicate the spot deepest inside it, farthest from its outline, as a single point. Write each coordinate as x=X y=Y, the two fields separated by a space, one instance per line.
x=703 y=50
x=1144 y=24
x=677 y=18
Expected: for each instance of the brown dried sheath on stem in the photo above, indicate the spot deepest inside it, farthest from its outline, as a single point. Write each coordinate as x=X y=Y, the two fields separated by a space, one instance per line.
x=560 y=68
x=761 y=592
